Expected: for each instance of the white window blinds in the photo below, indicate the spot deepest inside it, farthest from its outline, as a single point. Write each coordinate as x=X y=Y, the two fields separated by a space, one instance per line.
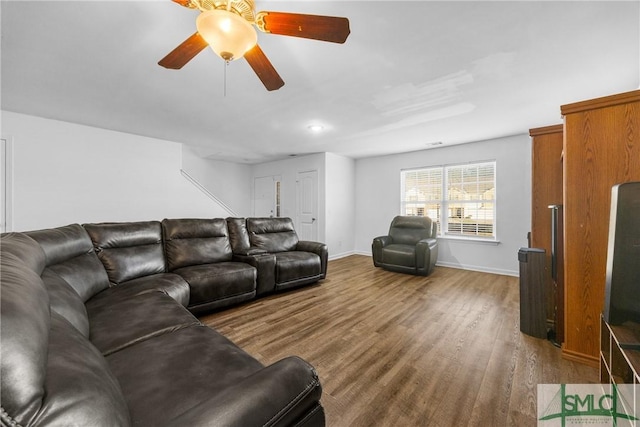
x=460 y=198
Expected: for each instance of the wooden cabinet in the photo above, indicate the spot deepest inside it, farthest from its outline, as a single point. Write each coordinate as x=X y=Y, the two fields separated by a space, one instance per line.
x=620 y=364
x=546 y=181
x=601 y=149
x=546 y=190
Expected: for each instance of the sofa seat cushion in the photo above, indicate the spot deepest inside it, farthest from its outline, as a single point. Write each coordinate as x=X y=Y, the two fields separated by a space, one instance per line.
x=80 y=389
x=286 y=393
x=170 y=382
x=296 y=265
x=169 y=283
x=212 y=282
x=116 y=326
x=399 y=254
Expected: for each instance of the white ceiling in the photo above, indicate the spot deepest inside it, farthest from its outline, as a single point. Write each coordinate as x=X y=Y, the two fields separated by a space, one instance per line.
x=410 y=74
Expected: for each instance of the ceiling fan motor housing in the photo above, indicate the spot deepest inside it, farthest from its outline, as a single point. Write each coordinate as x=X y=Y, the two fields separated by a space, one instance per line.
x=244 y=8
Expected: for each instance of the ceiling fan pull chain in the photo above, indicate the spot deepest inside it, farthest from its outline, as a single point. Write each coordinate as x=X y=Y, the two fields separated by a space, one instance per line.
x=226 y=64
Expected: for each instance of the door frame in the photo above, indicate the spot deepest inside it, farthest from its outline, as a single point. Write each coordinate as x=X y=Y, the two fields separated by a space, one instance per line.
x=6 y=184
x=316 y=203
x=276 y=202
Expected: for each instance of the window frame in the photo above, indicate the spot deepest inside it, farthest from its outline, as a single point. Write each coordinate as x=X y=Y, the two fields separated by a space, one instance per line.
x=446 y=202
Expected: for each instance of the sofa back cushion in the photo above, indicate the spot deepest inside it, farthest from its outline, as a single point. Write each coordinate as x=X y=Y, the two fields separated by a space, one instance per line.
x=408 y=230
x=51 y=373
x=62 y=297
x=128 y=250
x=65 y=301
x=69 y=254
x=25 y=249
x=272 y=234
x=24 y=326
x=238 y=235
x=195 y=241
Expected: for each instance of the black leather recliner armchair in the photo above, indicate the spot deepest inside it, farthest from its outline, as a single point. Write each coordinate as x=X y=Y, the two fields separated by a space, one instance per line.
x=411 y=246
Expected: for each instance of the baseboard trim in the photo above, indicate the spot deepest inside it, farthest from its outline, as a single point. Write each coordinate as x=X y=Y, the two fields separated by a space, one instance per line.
x=465 y=267
x=479 y=268
x=585 y=359
x=341 y=255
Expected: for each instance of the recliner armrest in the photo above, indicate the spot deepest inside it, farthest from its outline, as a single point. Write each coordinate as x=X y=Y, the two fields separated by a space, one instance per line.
x=376 y=248
x=382 y=241
x=278 y=395
x=308 y=246
x=431 y=241
x=317 y=248
x=265 y=264
x=250 y=251
x=426 y=255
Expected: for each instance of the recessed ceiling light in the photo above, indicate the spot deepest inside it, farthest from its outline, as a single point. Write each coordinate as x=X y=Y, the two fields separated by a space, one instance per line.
x=315 y=128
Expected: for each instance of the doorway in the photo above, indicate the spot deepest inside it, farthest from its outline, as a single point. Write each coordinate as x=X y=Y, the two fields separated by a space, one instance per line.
x=266 y=196
x=307 y=205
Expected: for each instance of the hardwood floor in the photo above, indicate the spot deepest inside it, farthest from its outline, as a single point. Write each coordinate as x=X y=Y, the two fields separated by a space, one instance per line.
x=399 y=350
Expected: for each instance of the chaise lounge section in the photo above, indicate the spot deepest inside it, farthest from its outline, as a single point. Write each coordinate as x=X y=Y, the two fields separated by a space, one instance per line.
x=97 y=329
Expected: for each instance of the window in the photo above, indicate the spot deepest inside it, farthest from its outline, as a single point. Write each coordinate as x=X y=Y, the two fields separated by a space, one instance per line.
x=460 y=198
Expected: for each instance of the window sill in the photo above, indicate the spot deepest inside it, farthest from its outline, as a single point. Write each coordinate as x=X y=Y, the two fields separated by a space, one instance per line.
x=480 y=240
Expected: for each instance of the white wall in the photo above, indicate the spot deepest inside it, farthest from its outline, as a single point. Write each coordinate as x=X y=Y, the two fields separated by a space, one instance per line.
x=336 y=191
x=378 y=200
x=229 y=182
x=66 y=173
x=288 y=170
x=340 y=205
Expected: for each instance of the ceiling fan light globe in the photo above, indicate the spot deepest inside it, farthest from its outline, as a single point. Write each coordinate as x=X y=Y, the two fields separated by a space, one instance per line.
x=229 y=35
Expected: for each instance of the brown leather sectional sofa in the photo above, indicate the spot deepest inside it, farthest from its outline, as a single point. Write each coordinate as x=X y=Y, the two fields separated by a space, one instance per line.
x=98 y=324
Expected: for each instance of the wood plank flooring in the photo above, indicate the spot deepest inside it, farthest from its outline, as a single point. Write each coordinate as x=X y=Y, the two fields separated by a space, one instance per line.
x=399 y=350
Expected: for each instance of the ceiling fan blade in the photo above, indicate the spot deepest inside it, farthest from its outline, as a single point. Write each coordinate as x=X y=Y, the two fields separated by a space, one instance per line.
x=185 y=3
x=326 y=28
x=263 y=68
x=184 y=53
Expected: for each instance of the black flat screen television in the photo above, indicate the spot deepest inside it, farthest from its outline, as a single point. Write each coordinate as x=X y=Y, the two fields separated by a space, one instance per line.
x=622 y=291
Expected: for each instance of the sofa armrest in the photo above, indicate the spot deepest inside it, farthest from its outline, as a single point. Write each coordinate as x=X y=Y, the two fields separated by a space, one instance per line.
x=265 y=264
x=251 y=251
x=376 y=248
x=382 y=241
x=308 y=246
x=426 y=254
x=277 y=395
x=317 y=248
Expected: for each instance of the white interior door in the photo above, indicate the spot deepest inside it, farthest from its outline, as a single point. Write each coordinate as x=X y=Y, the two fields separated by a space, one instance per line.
x=307 y=205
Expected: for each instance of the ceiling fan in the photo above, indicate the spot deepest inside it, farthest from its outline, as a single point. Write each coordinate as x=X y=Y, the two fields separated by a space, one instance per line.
x=227 y=27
